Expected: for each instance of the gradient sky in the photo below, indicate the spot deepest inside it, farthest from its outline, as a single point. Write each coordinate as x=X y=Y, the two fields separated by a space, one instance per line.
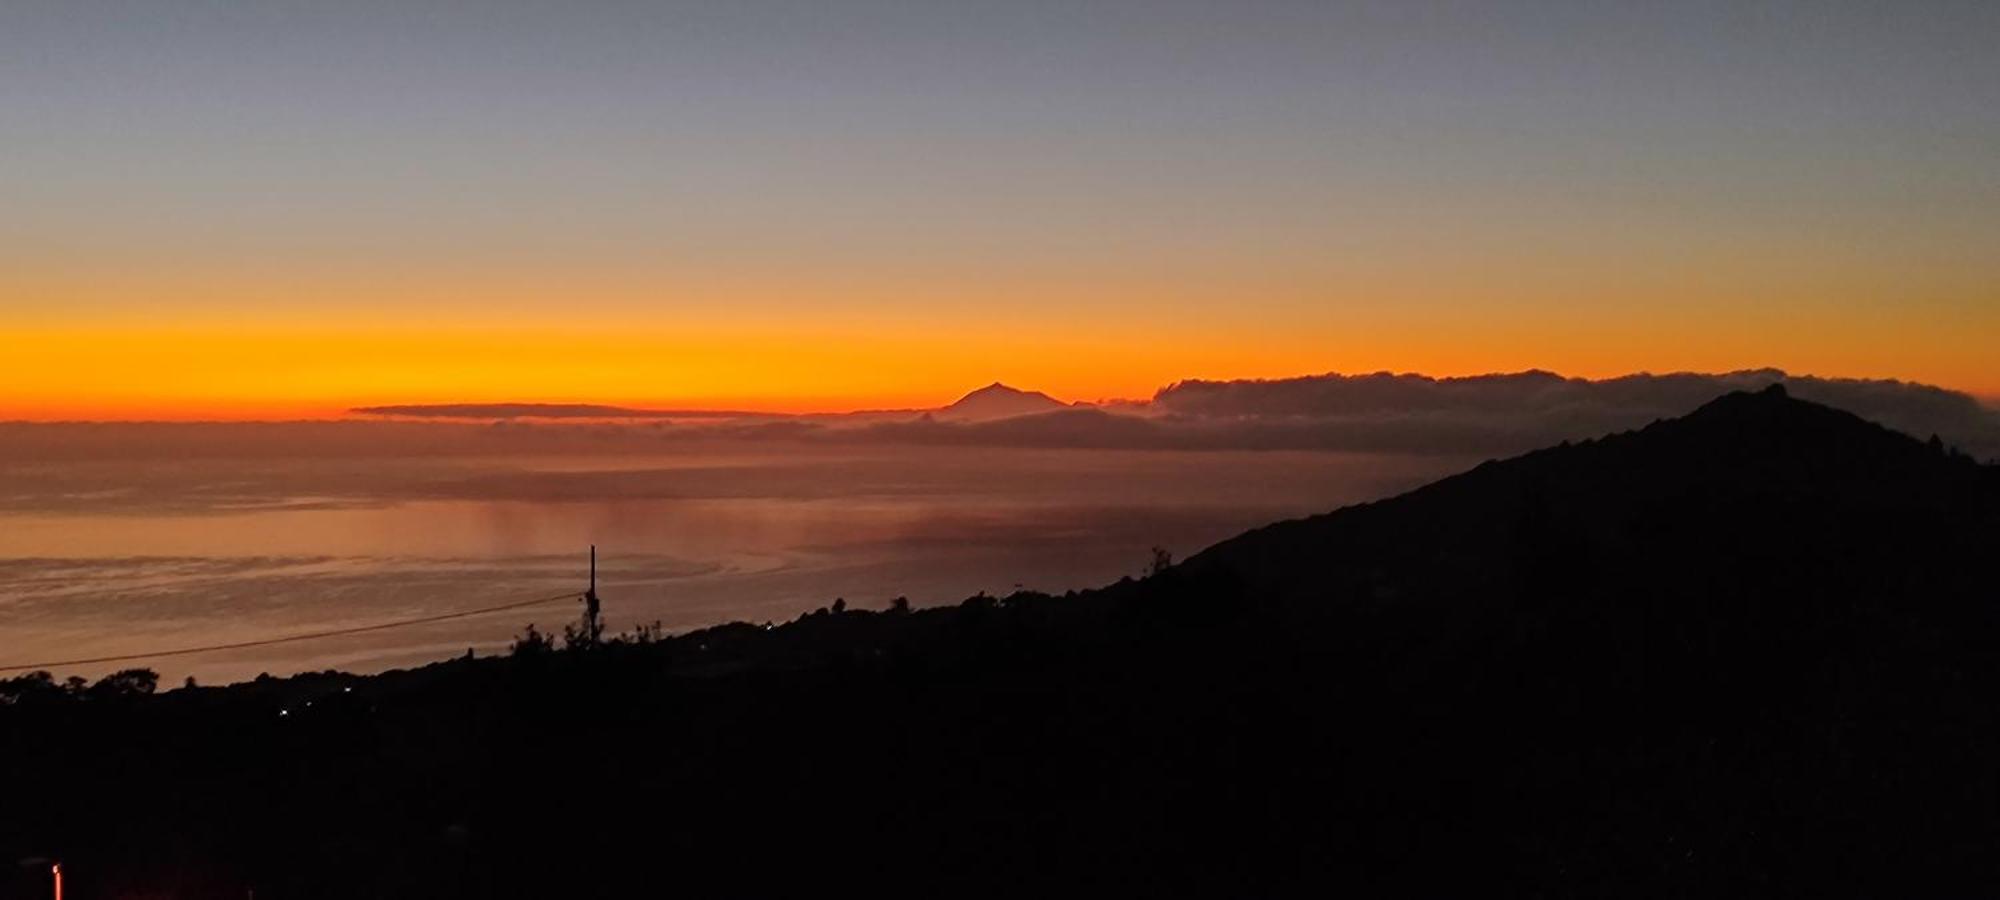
x=283 y=208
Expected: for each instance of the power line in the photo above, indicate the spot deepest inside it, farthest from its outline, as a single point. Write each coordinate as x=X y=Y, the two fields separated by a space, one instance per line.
x=337 y=632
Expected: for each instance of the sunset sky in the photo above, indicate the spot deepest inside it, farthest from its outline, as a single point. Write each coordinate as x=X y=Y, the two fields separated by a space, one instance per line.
x=286 y=209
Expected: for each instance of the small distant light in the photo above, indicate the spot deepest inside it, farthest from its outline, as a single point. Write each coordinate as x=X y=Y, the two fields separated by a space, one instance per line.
x=284 y=712
x=347 y=690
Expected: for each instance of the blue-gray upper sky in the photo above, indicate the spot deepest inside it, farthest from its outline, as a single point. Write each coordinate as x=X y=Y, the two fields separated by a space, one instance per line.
x=1590 y=174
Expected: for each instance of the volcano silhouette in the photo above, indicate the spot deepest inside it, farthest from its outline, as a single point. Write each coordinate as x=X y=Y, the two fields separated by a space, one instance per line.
x=998 y=401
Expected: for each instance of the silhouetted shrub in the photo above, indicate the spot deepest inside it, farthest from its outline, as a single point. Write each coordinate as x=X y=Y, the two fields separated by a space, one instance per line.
x=642 y=634
x=532 y=643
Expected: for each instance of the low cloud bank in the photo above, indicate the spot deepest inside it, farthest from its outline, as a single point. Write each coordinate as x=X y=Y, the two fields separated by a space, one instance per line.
x=1486 y=415
x=488 y=411
x=1503 y=411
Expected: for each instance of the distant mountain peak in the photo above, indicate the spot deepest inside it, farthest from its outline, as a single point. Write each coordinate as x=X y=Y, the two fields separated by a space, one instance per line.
x=1000 y=401
x=1773 y=407
x=997 y=388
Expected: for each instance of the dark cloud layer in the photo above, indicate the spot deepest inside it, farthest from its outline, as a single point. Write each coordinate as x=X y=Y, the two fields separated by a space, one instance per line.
x=484 y=411
x=1515 y=411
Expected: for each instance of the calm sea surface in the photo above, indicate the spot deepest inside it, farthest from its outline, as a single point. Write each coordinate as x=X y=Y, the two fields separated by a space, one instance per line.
x=105 y=557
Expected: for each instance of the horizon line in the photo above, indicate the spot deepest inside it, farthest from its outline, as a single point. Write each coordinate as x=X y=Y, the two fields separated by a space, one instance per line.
x=599 y=410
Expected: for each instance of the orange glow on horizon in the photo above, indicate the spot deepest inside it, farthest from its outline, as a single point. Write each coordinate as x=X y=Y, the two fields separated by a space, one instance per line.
x=284 y=338
x=281 y=371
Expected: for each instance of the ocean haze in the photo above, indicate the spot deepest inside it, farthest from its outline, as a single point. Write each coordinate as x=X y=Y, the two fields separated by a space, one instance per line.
x=104 y=558
x=134 y=537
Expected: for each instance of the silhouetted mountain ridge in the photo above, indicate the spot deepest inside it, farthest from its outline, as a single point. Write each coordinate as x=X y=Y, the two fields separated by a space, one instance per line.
x=1765 y=451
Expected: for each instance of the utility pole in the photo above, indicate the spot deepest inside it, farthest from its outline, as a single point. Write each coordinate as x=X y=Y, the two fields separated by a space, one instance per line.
x=592 y=628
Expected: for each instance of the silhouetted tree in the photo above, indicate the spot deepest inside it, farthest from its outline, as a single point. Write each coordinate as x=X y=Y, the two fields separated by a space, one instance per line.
x=586 y=632
x=532 y=643
x=642 y=634
x=900 y=605
x=1162 y=561
x=30 y=688
x=126 y=683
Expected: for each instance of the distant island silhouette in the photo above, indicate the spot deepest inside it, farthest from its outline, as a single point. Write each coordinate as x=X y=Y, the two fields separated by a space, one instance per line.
x=1749 y=650
x=998 y=401
x=994 y=401
x=1498 y=414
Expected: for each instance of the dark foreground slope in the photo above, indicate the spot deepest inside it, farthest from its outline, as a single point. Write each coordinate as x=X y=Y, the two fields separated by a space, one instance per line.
x=1753 y=651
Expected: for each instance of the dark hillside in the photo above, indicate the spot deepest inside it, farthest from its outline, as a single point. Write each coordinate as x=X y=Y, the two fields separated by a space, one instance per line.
x=1752 y=651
